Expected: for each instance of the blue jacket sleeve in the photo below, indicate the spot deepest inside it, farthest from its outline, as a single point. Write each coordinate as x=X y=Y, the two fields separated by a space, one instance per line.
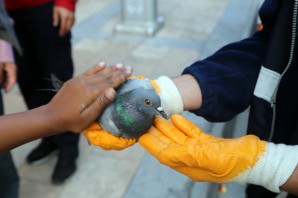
x=228 y=77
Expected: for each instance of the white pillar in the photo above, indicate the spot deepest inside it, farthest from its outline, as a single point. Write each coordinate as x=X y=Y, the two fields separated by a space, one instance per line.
x=140 y=17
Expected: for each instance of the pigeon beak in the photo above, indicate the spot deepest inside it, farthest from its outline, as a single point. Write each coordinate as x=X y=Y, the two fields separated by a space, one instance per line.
x=161 y=112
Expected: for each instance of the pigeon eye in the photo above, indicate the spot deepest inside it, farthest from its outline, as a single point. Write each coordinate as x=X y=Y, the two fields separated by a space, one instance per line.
x=148 y=102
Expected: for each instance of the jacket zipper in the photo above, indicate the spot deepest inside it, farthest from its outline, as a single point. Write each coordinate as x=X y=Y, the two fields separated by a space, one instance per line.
x=293 y=39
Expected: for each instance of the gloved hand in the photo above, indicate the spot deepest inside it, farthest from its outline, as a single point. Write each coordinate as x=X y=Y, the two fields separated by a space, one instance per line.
x=99 y=137
x=202 y=157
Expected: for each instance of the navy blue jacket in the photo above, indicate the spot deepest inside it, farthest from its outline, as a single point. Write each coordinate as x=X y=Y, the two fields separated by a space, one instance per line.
x=259 y=72
x=228 y=77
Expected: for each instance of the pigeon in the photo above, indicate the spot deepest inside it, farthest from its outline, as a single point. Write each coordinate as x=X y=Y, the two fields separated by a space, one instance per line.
x=133 y=110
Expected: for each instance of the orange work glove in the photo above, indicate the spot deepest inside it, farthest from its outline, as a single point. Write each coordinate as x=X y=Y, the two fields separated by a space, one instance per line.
x=187 y=149
x=99 y=137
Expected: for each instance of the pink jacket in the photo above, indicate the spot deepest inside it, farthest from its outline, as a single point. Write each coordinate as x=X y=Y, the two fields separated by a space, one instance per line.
x=6 y=54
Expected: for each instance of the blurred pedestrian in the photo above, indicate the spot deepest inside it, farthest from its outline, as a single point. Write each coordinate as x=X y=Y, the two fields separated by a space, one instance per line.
x=9 y=179
x=43 y=29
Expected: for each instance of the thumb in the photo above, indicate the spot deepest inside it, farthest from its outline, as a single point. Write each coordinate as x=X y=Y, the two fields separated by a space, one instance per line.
x=190 y=129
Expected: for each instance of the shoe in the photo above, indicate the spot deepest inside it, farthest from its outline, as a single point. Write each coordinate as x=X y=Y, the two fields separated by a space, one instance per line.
x=42 y=153
x=64 y=169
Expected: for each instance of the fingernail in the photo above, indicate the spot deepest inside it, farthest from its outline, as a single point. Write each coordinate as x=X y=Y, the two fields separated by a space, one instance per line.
x=119 y=66
x=102 y=63
x=128 y=69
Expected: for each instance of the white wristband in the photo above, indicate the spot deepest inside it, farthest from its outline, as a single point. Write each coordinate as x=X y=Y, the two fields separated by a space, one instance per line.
x=170 y=97
x=273 y=168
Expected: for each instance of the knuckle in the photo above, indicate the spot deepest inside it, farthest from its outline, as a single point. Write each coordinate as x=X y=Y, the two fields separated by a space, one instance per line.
x=105 y=98
x=102 y=101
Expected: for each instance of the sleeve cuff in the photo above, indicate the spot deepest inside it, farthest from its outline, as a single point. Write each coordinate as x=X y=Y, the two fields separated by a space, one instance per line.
x=68 y=4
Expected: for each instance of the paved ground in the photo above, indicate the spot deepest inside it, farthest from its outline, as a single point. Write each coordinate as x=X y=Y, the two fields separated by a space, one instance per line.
x=192 y=30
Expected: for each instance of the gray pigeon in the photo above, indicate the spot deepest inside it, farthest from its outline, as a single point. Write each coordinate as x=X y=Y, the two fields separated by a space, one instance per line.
x=132 y=112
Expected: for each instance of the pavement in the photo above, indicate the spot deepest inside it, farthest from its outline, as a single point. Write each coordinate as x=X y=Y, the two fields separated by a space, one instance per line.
x=192 y=30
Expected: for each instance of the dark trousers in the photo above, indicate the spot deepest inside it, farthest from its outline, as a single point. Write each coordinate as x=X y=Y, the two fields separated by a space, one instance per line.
x=44 y=52
x=9 y=180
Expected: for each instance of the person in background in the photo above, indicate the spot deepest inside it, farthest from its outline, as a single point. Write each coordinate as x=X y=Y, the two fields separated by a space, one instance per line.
x=9 y=180
x=43 y=30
